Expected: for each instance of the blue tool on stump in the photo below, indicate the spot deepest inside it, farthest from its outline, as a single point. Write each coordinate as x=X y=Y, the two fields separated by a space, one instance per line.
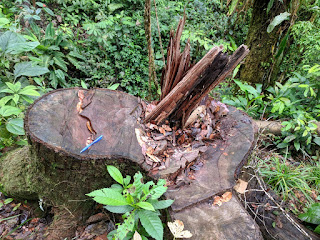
x=95 y=141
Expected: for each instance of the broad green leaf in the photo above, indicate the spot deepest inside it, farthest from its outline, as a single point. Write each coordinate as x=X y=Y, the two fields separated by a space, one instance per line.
x=246 y=87
x=289 y=138
x=282 y=145
x=278 y=20
x=146 y=186
x=4 y=21
x=316 y=140
x=4 y=100
x=114 y=86
x=26 y=69
x=151 y=223
x=297 y=145
x=8 y=38
x=114 y=6
x=16 y=48
x=161 y=182
x=126 y=227
x=137 y=183
x=7 y=111
x=53 y=79
x=6 y=90
x=22 y=142
x=77 y=55
x=115 y=174
x=27 y=99
x=49 y=11
x=83 y=85
x=50 y=33
x=162 y=204
x=146 y=205
x=15 y=126
x=317 y=230
x=15 y=98
x=157 y=192
x=127 y=180
x=61 y=63
x=312 y=215
x=119 y=209
x=60 y=75
x=117 y=187
x=108 y=196
x=14 y=87
x=34 y=59
x=29 y=90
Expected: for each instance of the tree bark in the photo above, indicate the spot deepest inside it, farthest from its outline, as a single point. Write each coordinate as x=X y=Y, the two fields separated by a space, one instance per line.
x=259 y=65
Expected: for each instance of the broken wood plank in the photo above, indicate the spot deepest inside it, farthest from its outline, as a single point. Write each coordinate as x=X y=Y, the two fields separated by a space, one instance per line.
x=183 y=87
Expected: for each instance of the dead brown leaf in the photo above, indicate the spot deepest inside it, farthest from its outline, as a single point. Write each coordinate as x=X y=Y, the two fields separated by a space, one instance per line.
x=167 y=128
x=161 y=130
x=153 y=158
x=241 y=186
x=217 y=201
x=226 y=197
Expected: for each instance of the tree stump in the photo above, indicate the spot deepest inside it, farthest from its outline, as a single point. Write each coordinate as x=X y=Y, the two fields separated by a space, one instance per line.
x=53 y=169
x=56 y=171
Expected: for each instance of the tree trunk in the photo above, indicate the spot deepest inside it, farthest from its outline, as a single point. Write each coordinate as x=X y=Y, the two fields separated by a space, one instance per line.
x=258 y=66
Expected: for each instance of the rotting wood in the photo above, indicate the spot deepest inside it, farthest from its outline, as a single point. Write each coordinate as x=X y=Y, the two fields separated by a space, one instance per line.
x=182 y=86
x=167 y=105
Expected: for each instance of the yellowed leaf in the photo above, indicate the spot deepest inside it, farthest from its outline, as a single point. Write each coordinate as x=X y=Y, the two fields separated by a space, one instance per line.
x=161 y=130
x=136 y=236
x=217 y=201
x=153 y=158
x=176 y=229
x=241 y=186
x=226 y=197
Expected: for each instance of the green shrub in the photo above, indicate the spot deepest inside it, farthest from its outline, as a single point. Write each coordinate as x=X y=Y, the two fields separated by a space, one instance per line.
x=138 y=202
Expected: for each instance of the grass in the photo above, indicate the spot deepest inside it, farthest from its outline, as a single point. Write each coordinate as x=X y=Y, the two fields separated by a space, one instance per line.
x=288 y=178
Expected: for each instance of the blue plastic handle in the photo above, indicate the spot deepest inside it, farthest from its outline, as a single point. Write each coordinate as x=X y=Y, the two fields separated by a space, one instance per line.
x=95 y=141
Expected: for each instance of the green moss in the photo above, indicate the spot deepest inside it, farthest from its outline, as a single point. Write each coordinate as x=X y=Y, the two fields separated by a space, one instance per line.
x=15 y=171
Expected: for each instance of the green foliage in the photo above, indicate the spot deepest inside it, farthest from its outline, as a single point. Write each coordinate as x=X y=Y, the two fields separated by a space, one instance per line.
x=297 y=101
x=12 y=102
x=285 y=178
x=304 y=41
x=312 y=216
x=277 y=20
x=138 y=201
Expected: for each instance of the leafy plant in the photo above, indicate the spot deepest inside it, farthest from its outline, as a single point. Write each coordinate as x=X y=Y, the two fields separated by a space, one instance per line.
x=312 y=215
x=138 y=202
x=286 y=178
x=297 y=102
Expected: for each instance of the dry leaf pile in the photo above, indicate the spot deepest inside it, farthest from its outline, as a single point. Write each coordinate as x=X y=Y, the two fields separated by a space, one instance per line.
x=168 y=148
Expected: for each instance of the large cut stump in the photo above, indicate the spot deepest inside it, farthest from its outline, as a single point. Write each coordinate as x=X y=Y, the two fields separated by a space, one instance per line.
x=53 y=169
x=57 y=133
